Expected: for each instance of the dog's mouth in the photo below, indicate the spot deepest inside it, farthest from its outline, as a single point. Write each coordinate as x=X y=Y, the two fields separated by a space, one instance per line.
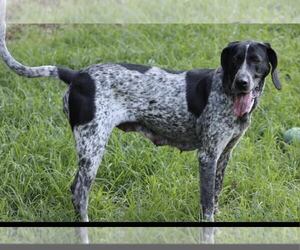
x=244 y=102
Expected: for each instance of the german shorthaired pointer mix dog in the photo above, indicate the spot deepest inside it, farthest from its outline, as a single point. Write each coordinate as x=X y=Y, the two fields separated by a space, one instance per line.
x=202 y=109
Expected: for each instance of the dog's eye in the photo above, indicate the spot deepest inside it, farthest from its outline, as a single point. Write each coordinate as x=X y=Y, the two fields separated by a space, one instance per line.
x=255 y=59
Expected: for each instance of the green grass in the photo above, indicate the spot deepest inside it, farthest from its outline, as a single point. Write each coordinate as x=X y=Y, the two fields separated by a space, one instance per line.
x=155 y=11
x=137 y=181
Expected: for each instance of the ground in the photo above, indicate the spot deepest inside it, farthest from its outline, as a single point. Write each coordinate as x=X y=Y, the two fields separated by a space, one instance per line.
x=137 y=181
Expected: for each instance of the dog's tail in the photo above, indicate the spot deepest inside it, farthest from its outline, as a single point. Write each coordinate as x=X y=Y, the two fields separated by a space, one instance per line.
x=66 y=75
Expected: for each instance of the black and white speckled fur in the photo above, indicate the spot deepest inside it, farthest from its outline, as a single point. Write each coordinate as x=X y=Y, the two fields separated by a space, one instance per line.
x=190 y=110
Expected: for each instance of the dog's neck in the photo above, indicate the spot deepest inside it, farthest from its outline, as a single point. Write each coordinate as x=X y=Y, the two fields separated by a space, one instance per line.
x=220 y=83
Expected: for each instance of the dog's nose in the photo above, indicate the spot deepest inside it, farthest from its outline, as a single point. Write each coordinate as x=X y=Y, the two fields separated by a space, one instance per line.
x=242 y=84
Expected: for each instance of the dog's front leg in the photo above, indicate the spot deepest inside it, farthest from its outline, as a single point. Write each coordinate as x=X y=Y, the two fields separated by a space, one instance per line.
x=221 y=166
x=220 y=171
x=208 y=164
x=214 y=140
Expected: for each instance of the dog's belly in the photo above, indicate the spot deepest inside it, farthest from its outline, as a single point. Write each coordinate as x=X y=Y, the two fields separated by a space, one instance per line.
x=162 y=115
x=183 y=138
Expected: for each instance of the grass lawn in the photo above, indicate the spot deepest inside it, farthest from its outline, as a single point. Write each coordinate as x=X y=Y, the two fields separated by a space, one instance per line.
x=137 y=181
x=155 y=11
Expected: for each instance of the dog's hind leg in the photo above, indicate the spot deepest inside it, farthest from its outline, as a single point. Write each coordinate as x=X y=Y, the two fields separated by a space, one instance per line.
x=90 y=140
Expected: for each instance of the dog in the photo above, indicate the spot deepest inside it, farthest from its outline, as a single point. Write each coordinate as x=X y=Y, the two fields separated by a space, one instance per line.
x=207 y=110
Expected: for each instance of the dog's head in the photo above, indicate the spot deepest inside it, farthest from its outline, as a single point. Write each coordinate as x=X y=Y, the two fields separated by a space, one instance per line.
x=245 y=66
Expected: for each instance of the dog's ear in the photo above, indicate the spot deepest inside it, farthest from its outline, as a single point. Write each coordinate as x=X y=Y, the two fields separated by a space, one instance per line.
x=225 y=54
x=273 y=61
x=226 y=64
x=224 y=57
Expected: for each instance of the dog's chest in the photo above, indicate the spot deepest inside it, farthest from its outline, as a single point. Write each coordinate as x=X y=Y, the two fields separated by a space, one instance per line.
x=218 y=122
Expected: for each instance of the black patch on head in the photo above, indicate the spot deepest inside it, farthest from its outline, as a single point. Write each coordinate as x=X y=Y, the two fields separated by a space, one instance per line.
x=232 y=58
x=82 y=99
x=198 y=86
x=259 y=58
x=136 y=67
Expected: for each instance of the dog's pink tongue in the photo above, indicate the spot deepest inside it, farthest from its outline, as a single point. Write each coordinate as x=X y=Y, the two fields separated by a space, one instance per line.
x=243 y=104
